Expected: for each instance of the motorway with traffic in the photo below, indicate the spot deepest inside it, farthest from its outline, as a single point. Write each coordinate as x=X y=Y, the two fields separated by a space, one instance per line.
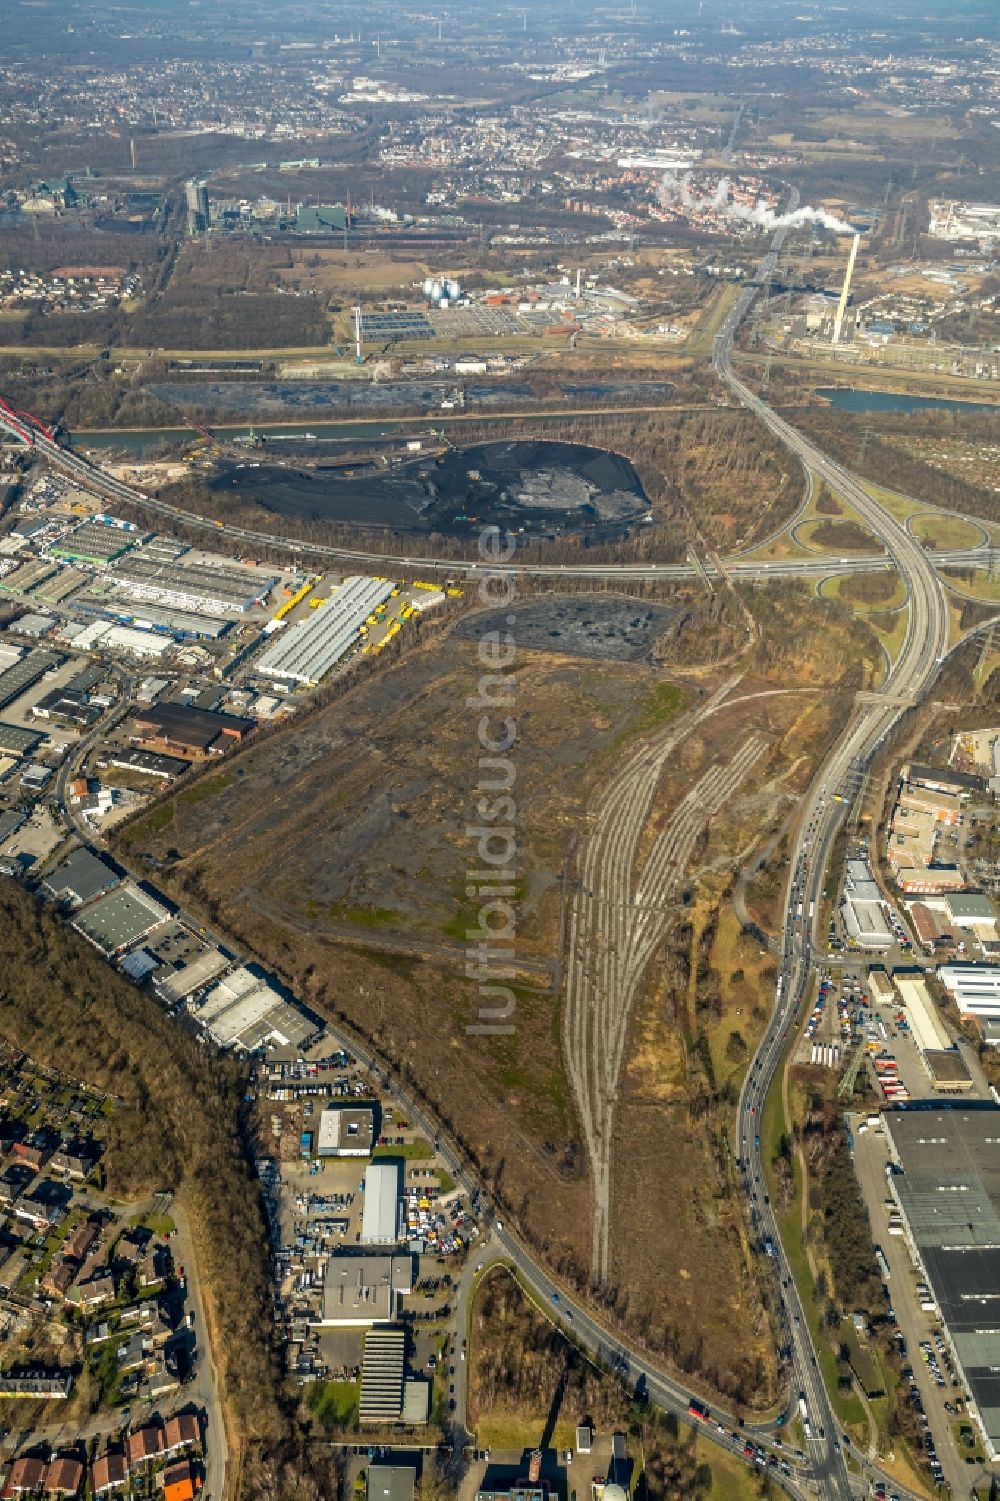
x=923 y=649
x=740 y=566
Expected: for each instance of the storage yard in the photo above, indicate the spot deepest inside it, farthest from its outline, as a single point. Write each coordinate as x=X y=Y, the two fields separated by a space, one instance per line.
x=368 y=1228
x=546 y=489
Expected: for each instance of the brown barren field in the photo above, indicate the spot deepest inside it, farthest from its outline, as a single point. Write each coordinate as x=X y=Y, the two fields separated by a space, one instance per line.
x=336 y=850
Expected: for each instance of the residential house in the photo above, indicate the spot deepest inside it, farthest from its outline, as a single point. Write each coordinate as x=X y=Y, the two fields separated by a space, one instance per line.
x=64 y=1477
x=97 y=1290
x=26 y=1476
x=178 y=1483
x=58 y=1280
x=110 y=1473
x=144 y=1445
x=75 y=1159
x=182 y=1431
x=79 y=1241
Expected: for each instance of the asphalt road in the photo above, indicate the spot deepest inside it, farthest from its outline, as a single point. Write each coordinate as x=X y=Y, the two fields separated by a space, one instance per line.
x=95 y=478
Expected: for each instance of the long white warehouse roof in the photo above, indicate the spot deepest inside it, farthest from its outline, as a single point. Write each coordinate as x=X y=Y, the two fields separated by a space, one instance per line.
x=380 y=1215
x=308 y=649
x=926 y=1026
x=976 y=979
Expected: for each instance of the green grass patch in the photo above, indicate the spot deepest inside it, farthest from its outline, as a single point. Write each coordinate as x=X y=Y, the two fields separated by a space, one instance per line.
x=732 y=1479
x=862 y=1360
x=157 y=1224
x=417 y=1150
x=334 y=1403
x=205 y=788
x=159 y=819
x=658 y=708
x=364 y=917
x=508 y=1431
x=941 y=532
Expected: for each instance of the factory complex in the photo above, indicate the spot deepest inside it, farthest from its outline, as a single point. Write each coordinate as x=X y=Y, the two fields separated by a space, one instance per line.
x=136 y=929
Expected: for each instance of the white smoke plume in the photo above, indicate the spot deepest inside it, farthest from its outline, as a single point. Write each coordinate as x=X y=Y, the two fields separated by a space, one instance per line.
x=678 y=192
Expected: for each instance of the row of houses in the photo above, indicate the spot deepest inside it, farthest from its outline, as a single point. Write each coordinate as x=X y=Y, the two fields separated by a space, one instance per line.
x=175 y=1442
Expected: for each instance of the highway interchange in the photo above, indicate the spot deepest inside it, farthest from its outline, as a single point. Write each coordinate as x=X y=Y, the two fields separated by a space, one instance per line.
x=923 y=649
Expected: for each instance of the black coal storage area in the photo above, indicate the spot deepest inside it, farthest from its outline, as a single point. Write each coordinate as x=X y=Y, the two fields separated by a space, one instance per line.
x=539 y=489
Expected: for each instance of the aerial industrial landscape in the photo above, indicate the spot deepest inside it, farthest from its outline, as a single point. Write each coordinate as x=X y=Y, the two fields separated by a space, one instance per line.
x=500 y=751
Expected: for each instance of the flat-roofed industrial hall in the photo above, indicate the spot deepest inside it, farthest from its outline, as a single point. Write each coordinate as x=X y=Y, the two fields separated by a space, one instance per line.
x=947 y=1185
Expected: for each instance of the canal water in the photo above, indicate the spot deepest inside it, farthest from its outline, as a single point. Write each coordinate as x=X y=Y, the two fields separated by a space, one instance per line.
x=847 y=399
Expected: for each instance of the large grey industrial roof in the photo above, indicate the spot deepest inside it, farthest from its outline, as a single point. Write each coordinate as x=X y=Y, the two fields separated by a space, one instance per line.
x=80 y=876
x=17 y=740
x=307 y=650
x=24 y=674
x=390 y=1482
x=949 y=1191
x=120 y=918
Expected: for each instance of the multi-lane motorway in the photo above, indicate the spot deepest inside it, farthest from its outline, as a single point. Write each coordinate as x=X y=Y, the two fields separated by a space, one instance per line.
x=923 y=648
x=741 y=566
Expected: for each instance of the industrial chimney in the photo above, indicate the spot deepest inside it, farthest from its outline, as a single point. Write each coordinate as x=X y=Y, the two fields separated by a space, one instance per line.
x=846 y=292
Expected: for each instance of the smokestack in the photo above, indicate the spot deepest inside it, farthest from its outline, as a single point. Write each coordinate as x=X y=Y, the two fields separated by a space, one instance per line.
x=846 y=292
x=132 y=150
x=578 y=283
x=357 y=335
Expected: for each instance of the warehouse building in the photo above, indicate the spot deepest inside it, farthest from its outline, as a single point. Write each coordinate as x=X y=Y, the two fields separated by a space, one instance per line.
x=380 y=1218
x=360 y=1291
x=244 y=1012
x=120 y=919
x=145 y=763
x=173 y=983
x=939 y=1054
x=67 y=706
x=974 y=987
x=391 y=1482
x=109 y=597
x=943 y=779
x=947 y=1187
x=17 y=741
x=866 y=922
x=383 y=1368
x=863 y=908
x=96 y=541
x=346 y=1131
x=306 y=651
x=205 y=587
x=183 y=730
x=79 y=878
x=24 y=674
